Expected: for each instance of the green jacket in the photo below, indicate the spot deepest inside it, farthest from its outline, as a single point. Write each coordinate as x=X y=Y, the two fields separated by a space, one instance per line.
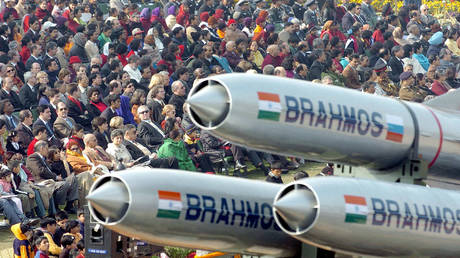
x=171 y=148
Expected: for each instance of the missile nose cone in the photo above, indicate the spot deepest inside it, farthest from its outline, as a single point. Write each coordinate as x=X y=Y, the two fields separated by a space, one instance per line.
x=297 y=209
x=110 y=199
x=210 y=104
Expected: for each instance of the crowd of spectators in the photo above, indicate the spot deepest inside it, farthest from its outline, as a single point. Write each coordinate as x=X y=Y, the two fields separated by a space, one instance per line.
x=85 y=92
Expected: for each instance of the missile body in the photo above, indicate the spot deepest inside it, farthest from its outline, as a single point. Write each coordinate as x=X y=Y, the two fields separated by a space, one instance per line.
x=178 y=208
x=370 y=217
x=324 y=123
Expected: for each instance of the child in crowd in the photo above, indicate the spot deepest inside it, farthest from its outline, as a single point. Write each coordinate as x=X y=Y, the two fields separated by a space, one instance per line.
x=21 y=244
x=5 y=188
x=68 y=245
x=81 y=249
x=81 y=221
x=73 y=228
x=24 y=191
x=61 y=220
x=42 y=245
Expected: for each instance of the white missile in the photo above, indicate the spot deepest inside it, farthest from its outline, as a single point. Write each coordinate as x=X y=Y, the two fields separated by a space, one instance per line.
x=369 y=217
x=200 y=211
x=328 y=123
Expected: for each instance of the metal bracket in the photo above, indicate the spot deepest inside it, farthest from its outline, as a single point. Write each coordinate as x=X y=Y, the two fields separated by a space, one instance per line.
x=409 y=172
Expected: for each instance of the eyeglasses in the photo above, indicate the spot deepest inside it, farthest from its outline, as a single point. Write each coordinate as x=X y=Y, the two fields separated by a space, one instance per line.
x=9 y=71
x=63 y=109
x=74 y=149
x=143 y=112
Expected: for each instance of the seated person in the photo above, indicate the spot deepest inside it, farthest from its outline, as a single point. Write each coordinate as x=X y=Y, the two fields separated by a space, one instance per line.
x=96 y=154
x=191 y=141
x=82 y=167
x=100 y=130
x=173 y=146
x=5 y=189
x=63 y=190
x=40 y=134
x=140 y=151
x=169 y=113
x=12 y=143
x=118 y=150
x=21 y=186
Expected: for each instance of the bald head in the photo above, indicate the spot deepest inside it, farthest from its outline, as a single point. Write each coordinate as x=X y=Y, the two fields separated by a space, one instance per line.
x=90 y=140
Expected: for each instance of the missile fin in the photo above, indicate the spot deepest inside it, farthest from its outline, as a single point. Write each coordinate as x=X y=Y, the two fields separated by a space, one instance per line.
x=449 y=100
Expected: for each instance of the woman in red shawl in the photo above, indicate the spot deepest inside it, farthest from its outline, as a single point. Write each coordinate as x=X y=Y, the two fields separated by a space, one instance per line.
x=71 y=23
x=183 y=17
x=42 y=11
x=331 y=30
x=157 y=16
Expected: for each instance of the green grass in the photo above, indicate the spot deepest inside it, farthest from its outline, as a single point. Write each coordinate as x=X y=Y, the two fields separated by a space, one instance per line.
x=312 y=168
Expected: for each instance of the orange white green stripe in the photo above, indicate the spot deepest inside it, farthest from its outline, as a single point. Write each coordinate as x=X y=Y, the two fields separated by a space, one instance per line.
x=169 y=204
x=269 y=106
x=355 y=209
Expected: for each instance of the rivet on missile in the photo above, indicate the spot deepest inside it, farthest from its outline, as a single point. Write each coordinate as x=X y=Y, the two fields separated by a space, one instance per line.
x=298 y=217
x=110 y=200
x=210 y=103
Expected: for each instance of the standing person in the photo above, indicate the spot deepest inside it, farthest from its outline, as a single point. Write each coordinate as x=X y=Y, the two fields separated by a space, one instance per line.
x=274 y=176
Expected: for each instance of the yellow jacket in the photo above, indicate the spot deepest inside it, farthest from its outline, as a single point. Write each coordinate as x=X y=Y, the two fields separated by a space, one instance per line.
x=21 y=245
x=54 y=248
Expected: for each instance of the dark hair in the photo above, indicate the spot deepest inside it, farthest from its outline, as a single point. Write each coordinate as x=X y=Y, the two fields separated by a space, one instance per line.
x=112 y=98
x=42 y=108
x=173 y=134
x=47 y=221
x=39 y=240
x=98 y=121
x=81 y=245
x=38 y=129
x=67 y=240
x=61 y=215
x=70 y=225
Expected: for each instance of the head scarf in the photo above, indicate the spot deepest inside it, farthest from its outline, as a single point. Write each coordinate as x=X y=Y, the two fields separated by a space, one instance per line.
x=247 y=21
x=172 y=10
x=436 y=39
x=156 y=12
x=145 y=13
x=204 y=16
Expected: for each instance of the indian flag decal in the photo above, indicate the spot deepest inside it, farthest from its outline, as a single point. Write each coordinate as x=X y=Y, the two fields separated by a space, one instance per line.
x=356 y=209
x=395 y=130
x=269 y=106
x=169 y=205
